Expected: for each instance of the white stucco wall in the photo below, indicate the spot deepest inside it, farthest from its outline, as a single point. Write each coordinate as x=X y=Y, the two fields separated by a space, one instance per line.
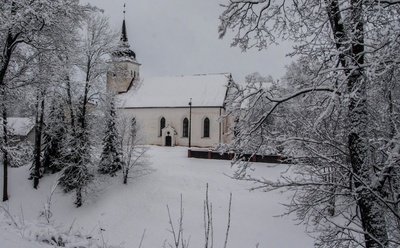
x=149 y=120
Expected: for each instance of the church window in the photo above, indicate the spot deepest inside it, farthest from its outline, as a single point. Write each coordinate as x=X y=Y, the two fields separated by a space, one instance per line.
x=206 y=128
x=162 y=125
x=185 y=131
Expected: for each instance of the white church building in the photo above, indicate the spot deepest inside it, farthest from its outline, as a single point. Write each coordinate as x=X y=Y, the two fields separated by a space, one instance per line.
x=171 y=111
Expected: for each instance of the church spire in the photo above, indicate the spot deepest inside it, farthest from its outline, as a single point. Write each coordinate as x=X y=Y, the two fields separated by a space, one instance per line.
x=123 y=50
x=124 y=37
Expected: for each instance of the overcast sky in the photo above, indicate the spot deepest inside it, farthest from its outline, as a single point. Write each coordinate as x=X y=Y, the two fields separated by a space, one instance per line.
x=180 y=37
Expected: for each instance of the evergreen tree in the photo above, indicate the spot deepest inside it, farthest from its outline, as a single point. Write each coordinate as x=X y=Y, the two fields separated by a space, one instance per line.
x=53 y=136
x=91 y=61
x=111 y=157
x=76 y=174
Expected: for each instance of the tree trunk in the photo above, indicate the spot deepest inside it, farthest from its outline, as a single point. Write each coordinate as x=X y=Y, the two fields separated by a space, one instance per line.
x=78 y=201
x=4 y=150
x=85 y=95
x=371 y=213
x=38 y=138
x=70 y=105
x=126 y=175
x=5 y=60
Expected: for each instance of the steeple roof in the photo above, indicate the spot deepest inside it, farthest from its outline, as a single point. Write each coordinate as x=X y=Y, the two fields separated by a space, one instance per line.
x=124 y=37
x=123 y=50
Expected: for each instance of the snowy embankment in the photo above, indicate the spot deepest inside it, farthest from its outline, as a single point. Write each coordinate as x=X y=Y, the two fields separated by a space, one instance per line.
x=120 y=214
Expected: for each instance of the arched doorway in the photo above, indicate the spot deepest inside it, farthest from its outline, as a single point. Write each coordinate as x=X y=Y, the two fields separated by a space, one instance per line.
x=168 y=140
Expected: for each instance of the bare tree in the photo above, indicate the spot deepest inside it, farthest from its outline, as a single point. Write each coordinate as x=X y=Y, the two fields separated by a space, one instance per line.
x=134 y=151
x=349 y=46
x=178 y=233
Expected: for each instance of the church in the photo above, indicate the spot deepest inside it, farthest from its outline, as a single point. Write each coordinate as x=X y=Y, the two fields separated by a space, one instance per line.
x=170 y=111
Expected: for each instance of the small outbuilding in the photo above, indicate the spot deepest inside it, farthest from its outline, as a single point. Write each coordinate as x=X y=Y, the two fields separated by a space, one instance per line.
x=21 y=129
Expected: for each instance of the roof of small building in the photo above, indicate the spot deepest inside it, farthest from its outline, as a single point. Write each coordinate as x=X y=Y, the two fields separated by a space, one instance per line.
x=206 y=90
x=20 y=126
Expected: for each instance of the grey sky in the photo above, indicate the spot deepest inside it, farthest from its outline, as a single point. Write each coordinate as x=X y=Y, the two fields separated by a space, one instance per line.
x=179 y=37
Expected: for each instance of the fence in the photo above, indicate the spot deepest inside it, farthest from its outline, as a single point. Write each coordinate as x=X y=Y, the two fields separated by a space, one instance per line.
x=211 y=154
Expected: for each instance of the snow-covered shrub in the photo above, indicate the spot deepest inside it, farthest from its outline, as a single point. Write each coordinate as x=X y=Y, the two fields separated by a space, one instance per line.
x=20 y=154
x=38 y=231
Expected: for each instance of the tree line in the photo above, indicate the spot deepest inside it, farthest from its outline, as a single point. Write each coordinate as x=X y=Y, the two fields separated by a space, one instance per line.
x=53 y=67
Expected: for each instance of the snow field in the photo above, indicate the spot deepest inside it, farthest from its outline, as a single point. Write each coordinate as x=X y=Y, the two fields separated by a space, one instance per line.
x=123 y=212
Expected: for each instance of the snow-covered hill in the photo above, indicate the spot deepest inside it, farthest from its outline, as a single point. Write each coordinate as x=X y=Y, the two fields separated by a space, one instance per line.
x=120 y=214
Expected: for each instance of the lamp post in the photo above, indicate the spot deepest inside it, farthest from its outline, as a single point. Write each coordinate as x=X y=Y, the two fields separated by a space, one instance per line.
x=190 y=122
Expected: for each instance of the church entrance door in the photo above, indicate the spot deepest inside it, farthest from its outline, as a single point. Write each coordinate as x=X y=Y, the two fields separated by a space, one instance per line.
x=168 y=141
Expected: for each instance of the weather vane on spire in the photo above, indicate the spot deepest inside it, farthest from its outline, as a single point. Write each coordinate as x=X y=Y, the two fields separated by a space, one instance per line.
x=124 y=37
x=124 y=10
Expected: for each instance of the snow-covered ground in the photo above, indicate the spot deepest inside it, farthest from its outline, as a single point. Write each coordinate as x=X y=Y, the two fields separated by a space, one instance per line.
x=125 y=212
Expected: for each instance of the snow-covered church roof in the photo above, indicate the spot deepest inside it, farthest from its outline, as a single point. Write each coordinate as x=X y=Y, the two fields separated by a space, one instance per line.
x=206 y=90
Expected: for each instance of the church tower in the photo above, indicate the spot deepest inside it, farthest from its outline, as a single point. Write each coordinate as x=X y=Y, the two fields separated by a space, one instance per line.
x=124 y=69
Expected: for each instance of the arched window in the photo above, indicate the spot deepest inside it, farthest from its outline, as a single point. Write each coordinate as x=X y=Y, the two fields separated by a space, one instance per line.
x=162 y=125
x=185 y=131
x=206 y=128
